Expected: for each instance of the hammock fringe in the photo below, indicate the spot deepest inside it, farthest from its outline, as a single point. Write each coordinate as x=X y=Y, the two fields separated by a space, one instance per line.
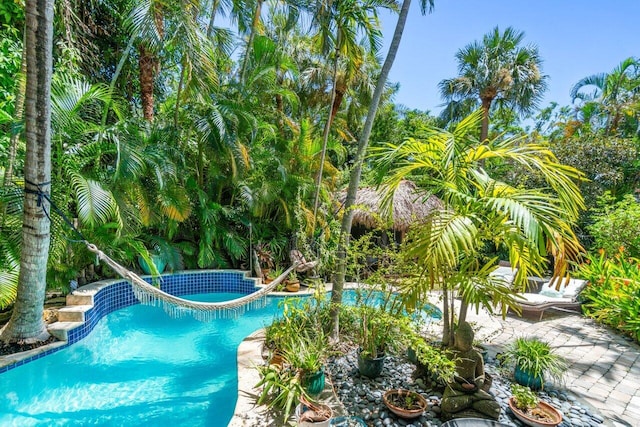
x=177 y=307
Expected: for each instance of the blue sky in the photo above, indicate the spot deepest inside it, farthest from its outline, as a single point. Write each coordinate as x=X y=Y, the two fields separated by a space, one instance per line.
x=575 y=39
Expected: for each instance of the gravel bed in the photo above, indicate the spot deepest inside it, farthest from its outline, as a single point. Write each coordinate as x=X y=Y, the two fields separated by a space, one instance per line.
x=362 y=396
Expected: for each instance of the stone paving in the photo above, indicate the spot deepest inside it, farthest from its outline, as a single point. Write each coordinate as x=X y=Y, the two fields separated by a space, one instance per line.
x=604 y=368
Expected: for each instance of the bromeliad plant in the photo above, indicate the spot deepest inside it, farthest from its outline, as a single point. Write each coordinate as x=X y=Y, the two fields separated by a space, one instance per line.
x=611 y=297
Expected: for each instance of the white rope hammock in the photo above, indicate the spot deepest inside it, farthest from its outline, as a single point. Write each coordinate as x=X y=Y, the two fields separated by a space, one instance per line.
x=178 y=307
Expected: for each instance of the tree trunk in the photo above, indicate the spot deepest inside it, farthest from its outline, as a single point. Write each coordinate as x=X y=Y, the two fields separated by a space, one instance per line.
x=486 y=106
x=354 y=179
x=325 y=136
x=212 y=18
x=149 y=66
x=252 y=35
x=26 y=323
x=146 y=67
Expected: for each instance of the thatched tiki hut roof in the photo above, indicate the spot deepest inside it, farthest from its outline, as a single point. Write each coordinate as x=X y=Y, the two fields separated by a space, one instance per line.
x=409 y=206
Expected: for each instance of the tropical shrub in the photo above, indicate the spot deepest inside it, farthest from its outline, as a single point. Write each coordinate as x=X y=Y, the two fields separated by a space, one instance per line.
x=616 y=225
x=612 y=296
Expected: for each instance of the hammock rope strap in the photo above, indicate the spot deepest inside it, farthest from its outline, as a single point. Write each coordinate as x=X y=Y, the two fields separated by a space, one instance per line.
x=179 y=307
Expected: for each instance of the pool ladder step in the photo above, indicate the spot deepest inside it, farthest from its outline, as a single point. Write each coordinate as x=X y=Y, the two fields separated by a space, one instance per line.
x=73 y=313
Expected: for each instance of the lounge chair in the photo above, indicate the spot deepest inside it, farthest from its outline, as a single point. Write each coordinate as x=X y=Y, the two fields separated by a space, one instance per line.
x=303 y=264
x=506 y=273
x=553 y=295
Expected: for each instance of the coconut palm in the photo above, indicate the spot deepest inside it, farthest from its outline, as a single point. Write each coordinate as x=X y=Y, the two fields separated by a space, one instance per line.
x=356 y=171
x=26 y=323
x=612 y=96
x=497 y=70
x=480 y=211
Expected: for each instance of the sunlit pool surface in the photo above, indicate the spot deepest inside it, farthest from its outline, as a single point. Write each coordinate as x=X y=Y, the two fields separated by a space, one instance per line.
x=137 y=367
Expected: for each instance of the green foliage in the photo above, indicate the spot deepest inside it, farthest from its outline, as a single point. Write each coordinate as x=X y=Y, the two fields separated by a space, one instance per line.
x=298 y=336
x=499 y=70
x=281 y=388
x=450 y=247
x=608 y=162
x=12 y=14
x=524 y=397
x=536 y=358
x=616 y=225
x=612 y=295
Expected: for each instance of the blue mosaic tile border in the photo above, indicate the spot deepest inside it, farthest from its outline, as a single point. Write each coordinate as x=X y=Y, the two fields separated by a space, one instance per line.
x=120 y=294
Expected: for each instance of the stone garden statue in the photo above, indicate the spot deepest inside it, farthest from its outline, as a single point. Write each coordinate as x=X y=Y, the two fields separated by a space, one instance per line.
x=464 y=397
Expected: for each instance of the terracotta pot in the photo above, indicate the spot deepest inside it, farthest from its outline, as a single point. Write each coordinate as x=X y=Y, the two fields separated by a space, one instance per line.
x=556 y=416
x=420 y=403
x=292 y=286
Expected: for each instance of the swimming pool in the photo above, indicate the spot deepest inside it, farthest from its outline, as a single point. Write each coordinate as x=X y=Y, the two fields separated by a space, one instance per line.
x=138 y=366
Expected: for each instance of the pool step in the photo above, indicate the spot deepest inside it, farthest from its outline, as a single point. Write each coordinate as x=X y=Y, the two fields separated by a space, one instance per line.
x=73 y=313
x=61 y=330
x=79 y=299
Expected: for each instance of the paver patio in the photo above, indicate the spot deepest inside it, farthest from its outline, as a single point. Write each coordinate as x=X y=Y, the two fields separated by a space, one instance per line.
x=604 y=367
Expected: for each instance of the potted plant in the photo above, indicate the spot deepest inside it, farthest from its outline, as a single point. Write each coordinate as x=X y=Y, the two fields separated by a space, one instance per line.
x=405 y=403
x=306 y=352
x=533 y=412
x=533 y=359
x=375 y=334
x=292 y=283
x=265 y=259
x=154 y=259
x=312 y=414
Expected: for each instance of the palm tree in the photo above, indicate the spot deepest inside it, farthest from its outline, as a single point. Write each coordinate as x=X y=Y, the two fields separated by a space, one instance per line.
x=496 y=70
x=356 y=171
x=480 y=211
x=614 y=95
x=347 y=20
x=26 y=323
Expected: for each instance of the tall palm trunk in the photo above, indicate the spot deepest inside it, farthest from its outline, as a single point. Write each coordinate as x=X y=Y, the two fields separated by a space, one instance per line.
x=252 y=35
x=486 y=107
x=26 y=323
x=354 y=179
x=147 y=65
x=325 y=134
x=214 y=8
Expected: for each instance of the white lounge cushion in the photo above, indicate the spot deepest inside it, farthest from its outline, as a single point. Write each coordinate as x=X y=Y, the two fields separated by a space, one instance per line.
x=507 y=274
x=568 y=290
x=537 y=299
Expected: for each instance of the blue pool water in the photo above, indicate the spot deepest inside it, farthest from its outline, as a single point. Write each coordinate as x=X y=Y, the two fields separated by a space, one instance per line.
x=137 y=367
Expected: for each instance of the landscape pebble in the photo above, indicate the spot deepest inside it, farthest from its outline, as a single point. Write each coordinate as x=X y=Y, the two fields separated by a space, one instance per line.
x=362 y=396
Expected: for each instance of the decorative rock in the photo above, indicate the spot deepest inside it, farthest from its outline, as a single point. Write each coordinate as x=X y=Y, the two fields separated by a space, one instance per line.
x=356 y=394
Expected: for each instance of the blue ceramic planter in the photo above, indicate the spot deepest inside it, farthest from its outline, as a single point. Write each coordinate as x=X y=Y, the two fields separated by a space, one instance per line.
x=526 y=379
x=314 y=383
